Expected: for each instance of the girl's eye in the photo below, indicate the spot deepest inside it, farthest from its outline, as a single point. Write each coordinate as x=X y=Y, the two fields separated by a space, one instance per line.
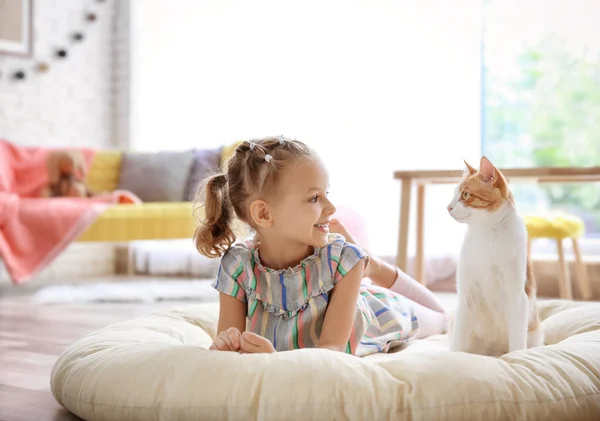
x=315 y=198
x=465 y=195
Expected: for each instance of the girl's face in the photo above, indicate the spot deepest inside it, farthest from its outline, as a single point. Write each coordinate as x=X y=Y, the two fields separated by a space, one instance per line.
x=300 y=208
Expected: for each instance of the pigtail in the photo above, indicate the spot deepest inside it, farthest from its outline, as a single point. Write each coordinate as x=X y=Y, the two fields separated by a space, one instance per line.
x=214 y=235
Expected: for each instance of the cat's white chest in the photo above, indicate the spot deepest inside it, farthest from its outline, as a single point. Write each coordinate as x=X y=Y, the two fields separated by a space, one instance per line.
x=488 y=255
x=482 y=295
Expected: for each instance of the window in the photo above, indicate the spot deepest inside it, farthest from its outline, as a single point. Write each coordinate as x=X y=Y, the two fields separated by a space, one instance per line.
x=541 y=98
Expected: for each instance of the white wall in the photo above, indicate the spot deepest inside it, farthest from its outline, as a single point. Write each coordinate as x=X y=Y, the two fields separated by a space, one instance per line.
x=77 y=102
x=375 y=85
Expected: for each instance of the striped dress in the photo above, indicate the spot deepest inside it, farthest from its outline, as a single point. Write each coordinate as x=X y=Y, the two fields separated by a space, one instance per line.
x=288 y=306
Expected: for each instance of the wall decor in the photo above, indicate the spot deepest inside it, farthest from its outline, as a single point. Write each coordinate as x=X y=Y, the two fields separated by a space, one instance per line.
x=42 y=67
x=16 y=27
x=16 y=35
x=61 y=53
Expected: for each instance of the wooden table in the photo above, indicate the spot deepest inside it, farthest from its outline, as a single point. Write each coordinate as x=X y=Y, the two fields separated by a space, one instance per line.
x=421 y=178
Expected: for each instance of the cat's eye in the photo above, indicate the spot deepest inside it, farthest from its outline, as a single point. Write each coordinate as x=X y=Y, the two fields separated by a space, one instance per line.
x=465 y=195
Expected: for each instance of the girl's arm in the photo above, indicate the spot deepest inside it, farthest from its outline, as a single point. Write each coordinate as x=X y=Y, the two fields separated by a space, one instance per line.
x=232 y=313
x=341 y=311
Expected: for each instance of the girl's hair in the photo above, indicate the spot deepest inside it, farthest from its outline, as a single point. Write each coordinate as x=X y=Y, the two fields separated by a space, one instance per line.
x=254 y=168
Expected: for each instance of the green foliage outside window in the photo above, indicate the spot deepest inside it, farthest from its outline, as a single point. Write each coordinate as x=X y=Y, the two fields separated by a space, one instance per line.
x=545 y=111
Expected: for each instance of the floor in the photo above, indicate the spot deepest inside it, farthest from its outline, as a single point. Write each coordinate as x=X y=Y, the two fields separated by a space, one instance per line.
x=31 y=339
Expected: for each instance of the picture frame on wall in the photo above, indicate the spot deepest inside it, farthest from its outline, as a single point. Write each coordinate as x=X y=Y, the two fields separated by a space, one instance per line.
x=16 y=27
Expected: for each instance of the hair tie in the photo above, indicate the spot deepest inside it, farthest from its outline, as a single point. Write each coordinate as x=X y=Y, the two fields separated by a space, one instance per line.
x=268 y=158
x=281 y=139
x=252 y=145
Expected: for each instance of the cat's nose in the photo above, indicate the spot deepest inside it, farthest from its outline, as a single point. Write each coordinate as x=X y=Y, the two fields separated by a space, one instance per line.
x=450 y=207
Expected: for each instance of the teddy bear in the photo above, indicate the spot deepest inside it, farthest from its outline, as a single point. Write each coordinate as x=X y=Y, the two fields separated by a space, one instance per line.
x=66 y=175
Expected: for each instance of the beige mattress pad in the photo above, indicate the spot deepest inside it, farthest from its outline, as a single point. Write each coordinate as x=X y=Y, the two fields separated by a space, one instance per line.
x=157 y=367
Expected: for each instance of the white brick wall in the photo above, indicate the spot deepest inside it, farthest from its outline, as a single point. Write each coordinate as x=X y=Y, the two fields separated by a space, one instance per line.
x=121 y=79
x=81 y=101
x=74 y=103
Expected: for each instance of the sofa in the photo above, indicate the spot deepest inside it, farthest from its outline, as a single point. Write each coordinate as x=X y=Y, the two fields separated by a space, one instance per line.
x=152 y=220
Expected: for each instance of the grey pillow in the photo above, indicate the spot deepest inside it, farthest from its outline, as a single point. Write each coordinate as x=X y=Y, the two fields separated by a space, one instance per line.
x=156 y=177
x=206 y=162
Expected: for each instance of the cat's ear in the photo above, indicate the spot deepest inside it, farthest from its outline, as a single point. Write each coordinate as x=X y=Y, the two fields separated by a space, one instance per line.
x=487 y=171
x=469 y=170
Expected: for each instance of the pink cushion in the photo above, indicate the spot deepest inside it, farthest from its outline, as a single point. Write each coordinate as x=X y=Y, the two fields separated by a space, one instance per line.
x=354 y=223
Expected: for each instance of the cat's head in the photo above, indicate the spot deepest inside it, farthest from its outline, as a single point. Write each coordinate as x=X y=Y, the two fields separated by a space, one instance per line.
x=480 y=193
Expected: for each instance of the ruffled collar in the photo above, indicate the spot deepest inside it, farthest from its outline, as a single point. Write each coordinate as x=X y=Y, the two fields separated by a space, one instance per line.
x=288 y=271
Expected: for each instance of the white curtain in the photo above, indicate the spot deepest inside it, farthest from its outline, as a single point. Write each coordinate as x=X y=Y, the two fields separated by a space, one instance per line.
x=374 y=85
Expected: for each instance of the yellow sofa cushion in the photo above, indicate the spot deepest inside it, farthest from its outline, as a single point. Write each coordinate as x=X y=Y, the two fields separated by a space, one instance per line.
x=557 y=225
x=149 y=221
x=103 y=175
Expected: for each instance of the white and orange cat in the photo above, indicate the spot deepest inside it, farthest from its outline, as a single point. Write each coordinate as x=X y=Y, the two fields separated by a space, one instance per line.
x=497 y=310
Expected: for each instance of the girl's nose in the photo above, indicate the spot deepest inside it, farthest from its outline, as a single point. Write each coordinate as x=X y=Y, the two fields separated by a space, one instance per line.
x=330 y=208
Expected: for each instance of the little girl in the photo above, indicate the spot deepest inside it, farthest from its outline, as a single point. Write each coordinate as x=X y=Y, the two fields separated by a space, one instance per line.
x=297 y=284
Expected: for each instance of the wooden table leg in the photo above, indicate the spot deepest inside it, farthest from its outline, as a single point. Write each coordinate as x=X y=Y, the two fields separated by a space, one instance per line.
x=402 y=256
x=582 y=275
x=420 y=255
x=564 y=280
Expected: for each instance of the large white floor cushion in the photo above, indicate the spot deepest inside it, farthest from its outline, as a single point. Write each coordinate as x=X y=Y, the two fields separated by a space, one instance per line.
x=158 y=367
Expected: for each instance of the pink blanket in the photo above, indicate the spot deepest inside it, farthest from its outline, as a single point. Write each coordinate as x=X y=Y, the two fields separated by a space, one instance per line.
x=34 y=230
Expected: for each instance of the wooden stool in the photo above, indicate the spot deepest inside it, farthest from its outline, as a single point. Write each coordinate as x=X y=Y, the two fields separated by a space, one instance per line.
x=559 y=227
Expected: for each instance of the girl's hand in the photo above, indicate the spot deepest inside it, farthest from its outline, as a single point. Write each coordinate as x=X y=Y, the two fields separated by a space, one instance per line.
x=227 y=340
x=251 y=343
